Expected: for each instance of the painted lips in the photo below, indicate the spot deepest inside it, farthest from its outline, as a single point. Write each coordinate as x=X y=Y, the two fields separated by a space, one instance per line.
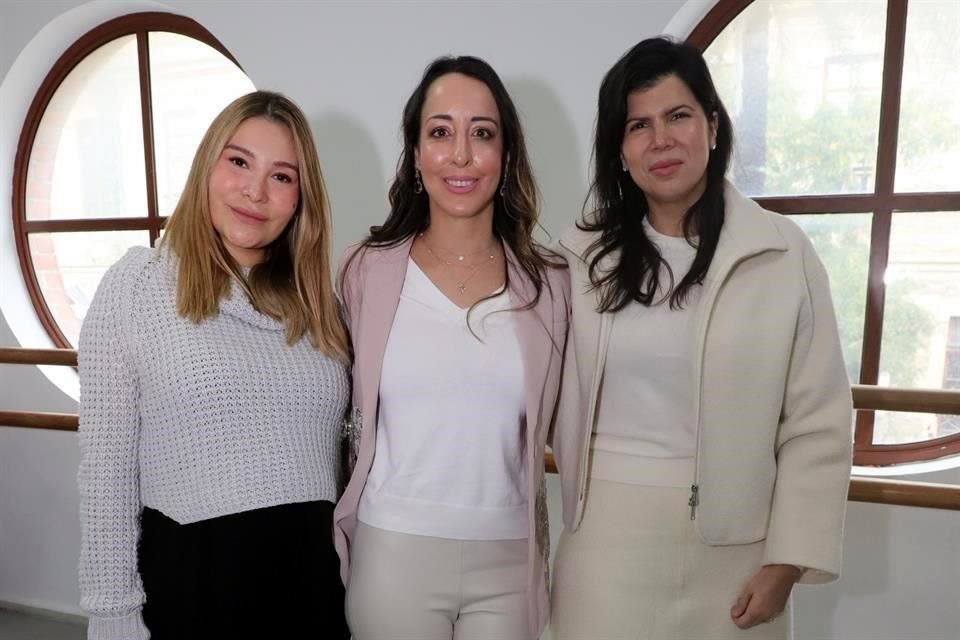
x=460 y=184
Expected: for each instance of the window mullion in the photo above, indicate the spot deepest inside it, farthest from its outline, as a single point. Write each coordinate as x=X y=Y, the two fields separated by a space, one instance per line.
x=893 y=53
x=146 y=108
x=891 y=88
x=873 y=319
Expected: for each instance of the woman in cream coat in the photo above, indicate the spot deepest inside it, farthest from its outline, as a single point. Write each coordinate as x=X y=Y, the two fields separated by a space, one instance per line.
x=703 y=436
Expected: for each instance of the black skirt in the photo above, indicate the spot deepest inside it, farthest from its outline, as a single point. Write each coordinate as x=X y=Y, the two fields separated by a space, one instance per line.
x=266 y=573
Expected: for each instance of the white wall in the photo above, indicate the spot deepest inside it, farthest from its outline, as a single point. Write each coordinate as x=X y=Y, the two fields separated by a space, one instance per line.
x=351 y=65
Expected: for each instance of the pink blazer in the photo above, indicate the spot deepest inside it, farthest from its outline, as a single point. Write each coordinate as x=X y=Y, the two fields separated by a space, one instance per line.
x=371 y=293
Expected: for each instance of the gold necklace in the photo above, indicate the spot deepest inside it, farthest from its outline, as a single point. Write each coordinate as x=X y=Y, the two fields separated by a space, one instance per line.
x=462 y=284
x=460 y=262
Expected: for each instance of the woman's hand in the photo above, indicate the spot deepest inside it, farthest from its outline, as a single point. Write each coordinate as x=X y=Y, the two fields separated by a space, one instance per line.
x=765 y=596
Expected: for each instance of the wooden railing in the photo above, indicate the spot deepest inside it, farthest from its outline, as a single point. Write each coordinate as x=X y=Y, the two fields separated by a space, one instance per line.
x=897 y=492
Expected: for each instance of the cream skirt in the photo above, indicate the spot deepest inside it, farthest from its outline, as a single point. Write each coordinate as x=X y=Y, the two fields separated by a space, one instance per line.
x=637 y=569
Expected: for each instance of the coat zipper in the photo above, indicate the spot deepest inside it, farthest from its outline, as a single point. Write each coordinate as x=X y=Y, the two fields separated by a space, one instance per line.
x=694 y=500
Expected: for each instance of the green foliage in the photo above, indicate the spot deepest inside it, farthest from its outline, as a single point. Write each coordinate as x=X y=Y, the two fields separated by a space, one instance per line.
x=842 y=242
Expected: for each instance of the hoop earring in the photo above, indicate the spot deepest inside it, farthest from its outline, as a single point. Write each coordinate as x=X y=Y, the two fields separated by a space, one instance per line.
x=417 y=183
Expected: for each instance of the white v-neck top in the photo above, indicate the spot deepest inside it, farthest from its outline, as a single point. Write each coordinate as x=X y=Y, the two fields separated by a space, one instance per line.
x=646 y=408
x=450 y=457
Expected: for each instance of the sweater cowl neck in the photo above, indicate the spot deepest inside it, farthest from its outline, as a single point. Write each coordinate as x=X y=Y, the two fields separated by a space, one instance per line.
x=236 y=304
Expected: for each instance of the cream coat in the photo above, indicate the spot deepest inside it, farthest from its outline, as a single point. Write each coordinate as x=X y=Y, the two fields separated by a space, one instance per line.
x=371 y=287
x=773 y=406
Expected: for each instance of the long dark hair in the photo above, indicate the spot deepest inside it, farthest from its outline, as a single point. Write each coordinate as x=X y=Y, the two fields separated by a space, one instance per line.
x=618 y=205
x=515 y=207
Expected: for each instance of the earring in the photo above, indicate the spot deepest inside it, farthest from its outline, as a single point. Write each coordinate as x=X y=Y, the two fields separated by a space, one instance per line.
x=713 y=147
x=417 y=183
x=620 y=190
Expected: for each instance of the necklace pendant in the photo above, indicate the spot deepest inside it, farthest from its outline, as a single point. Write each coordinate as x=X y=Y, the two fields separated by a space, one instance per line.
x=461 y=287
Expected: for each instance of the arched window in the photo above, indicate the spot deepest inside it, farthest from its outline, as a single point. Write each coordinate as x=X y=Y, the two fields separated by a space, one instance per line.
x=847 y=118
x=105 y=149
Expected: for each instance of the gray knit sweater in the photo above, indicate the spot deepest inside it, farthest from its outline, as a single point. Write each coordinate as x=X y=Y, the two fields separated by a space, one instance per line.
x=195 y=421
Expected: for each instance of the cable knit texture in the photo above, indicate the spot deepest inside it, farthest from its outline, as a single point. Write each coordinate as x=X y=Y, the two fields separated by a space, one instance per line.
x=196 y=421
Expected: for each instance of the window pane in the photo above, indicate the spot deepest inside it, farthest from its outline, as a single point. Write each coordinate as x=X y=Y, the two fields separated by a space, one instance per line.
x=843 y=243
x=87 y=159
x=801 y=80
x=900 y=428
x=69 y=267
x=922 y=302
x=192 y=83
x=928 y=148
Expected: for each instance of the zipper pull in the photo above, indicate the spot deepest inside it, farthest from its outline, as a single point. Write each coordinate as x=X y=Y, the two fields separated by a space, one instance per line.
x=694 y=501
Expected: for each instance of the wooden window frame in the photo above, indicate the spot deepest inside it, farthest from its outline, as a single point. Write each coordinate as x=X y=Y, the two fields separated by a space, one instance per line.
x=881 y=203
x=139 y=25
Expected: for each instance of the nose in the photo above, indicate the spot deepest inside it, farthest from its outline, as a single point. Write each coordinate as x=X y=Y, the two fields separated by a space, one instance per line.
x=461 y=152
x=255 y=189
x=661 y=137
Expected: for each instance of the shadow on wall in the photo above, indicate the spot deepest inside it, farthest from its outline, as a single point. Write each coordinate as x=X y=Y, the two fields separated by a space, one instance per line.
x=352 y=170
x=554 y=153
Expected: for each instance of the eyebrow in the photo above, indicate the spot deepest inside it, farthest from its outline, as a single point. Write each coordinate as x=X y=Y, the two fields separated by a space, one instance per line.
x=247 y=152
x=444 y=116
x=667 y=112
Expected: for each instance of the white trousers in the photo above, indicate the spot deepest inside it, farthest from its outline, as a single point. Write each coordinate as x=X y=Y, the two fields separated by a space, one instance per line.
x=409 y=587
x=637 y=569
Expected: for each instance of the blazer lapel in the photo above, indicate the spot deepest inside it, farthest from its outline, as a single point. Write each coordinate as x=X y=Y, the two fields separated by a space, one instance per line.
x=382 y=286
x=534 y=332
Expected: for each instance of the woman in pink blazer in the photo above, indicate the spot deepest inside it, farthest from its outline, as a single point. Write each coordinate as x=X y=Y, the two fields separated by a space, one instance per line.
x=458 y=322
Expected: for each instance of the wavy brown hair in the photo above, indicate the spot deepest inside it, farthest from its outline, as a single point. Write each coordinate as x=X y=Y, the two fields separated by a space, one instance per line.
x=292 y=284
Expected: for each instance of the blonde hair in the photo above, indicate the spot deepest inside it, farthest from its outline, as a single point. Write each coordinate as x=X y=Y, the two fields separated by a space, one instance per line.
x=293 y=283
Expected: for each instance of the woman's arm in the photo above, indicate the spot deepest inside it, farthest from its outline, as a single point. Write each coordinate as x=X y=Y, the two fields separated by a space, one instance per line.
x=814 y=448
x=108 y=479
x=814 y=443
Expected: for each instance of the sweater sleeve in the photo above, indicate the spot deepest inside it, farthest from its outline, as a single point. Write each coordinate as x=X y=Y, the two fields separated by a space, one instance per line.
x=108 y=479
x=814 y=443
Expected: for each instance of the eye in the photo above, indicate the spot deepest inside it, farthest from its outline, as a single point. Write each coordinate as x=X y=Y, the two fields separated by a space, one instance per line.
x=439 y=132
x=636 y=125
x=283 y=177
x=679 y=115
x=484 y=133
x=237 y=161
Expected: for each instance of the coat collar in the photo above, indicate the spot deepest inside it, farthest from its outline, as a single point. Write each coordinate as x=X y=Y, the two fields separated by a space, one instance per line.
x=748 y=229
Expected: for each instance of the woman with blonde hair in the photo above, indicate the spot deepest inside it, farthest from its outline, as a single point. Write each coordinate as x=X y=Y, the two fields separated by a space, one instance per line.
x=213 y=376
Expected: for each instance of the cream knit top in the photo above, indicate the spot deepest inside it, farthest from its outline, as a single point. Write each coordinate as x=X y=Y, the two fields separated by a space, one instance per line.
x=194 y=420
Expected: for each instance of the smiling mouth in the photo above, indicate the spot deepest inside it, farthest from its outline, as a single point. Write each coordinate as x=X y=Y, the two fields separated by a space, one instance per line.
x=460 y=182
x=666 y=168
x=248 y=216
x=665 y=164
